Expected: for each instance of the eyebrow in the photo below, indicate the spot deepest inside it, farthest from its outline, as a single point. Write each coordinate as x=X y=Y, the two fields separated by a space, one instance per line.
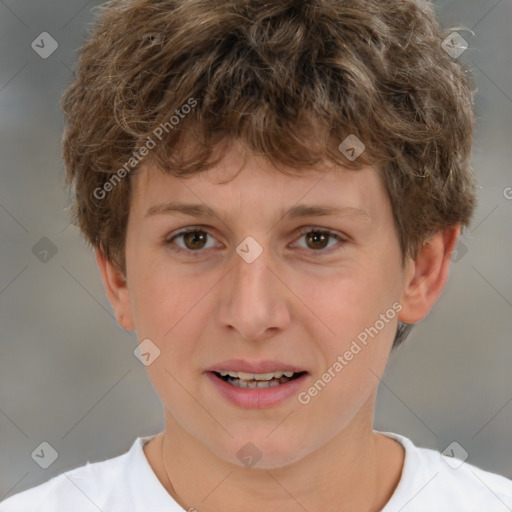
x=298 y=211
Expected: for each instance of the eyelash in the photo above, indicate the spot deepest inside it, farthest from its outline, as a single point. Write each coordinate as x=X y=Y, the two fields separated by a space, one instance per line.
x=302 y=231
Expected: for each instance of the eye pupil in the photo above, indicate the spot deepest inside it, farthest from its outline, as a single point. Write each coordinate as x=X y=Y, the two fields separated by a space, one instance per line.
x=314 y=235
x=193 y=237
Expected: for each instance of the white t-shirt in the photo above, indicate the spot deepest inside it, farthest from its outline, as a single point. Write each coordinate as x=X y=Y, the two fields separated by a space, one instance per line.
x=127 y=483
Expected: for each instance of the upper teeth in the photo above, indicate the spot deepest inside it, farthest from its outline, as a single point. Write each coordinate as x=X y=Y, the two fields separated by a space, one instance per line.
x=256 y=376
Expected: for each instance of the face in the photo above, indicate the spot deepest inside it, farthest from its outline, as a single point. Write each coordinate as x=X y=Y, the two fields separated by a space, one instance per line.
x=251 y=288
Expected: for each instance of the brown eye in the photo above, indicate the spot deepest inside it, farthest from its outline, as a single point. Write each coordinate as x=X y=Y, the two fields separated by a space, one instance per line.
x=317 y=240
x=194 y=241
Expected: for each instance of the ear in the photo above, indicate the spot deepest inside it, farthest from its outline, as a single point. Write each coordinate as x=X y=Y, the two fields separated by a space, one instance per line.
x=426 y=275
x=117 y=290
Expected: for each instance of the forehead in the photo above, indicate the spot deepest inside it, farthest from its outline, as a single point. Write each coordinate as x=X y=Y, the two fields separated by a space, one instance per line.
x=259 y=187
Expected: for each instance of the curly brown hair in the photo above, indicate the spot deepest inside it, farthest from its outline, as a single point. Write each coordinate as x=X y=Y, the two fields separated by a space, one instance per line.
x=170 y=81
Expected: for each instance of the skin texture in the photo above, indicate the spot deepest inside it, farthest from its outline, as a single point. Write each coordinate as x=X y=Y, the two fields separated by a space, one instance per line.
x=291 y=305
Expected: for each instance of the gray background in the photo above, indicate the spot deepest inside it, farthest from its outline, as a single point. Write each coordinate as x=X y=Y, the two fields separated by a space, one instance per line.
x=68 y=375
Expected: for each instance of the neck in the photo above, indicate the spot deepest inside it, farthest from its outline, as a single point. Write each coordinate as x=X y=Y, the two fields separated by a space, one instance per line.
x=358 y=469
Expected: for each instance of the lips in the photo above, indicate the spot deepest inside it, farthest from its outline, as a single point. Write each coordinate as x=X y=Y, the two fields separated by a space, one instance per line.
x=259 y=384
x=255 y=367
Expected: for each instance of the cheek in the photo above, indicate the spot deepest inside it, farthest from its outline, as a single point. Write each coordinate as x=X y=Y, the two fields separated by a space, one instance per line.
x=358 y=313
x=158 y=295
x=344 y=304
x=353 y=362
x=170 y=307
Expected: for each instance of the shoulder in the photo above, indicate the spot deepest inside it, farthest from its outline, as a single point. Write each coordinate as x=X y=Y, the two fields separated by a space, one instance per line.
x=432 y=481
x=82 y=489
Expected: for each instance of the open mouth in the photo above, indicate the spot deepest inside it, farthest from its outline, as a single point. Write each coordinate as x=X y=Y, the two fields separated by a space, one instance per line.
x=257 y=381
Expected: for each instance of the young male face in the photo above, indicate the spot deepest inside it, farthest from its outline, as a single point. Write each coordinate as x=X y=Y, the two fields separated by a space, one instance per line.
x=207 y=304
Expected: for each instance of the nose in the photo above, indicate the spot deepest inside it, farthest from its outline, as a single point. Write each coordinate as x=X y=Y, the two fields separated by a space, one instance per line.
x=254 y=300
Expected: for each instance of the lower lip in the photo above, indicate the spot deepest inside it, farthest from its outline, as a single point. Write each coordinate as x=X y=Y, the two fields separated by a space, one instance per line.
x=257 y=398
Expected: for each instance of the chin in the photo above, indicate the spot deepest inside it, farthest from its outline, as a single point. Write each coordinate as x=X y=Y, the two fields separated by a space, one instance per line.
x=258 y=450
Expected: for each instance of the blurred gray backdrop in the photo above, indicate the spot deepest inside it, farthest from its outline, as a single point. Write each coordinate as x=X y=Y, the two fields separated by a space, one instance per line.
x=68 y=375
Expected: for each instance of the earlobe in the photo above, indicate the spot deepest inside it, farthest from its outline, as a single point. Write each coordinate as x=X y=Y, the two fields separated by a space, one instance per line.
x=116 y=288
x=426 y=275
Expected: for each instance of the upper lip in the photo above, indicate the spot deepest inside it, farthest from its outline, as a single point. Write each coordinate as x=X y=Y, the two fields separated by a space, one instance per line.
x=241 y=365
